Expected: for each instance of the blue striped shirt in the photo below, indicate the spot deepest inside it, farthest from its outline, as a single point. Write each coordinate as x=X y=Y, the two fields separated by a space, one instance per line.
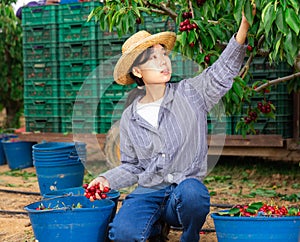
x=177 y=149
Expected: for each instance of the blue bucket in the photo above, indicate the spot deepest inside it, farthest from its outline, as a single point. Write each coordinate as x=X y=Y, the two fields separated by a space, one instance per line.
x=257 y=229
x=113 y=195
x=62 y=222
x=58 y=175
x=4 y=137
x=18 y=153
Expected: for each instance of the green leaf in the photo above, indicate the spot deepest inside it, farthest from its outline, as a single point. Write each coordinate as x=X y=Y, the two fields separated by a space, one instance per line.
x=238 y=8
x=292 y=20
x=248 y=12
x=280 y=21
x=238 y=89
x=268 y=19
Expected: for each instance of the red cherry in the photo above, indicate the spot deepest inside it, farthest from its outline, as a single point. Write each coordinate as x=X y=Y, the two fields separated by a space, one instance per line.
x=192 y=44
x=207 y=59
x=249 y=48
x=106 y=189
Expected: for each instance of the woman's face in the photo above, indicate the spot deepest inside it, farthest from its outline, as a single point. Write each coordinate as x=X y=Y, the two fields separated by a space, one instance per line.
x=157 y=69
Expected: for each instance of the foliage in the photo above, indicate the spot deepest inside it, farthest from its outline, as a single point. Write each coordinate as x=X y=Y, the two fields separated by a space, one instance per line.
x=274 y=33
x=11 y=63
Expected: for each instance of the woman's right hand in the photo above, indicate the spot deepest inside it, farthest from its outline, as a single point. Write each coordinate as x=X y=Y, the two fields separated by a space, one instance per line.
x=102 y=182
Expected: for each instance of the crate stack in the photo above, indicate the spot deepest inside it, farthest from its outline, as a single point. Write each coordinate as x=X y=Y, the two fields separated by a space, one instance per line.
x=41 y=86
x=68 y=64
x=262 y=69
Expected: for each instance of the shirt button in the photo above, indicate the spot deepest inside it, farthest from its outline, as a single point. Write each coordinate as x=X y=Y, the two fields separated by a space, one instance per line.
x=170 y=177
x=163 y=155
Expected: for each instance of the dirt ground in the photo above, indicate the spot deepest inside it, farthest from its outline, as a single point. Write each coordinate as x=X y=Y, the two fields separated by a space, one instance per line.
x=227 y=186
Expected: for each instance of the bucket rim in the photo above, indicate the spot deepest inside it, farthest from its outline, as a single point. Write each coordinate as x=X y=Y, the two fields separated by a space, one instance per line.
x=216 y=216
x=109 y=204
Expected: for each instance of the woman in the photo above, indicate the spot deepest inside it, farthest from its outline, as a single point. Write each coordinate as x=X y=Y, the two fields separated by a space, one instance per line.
x=163 y=138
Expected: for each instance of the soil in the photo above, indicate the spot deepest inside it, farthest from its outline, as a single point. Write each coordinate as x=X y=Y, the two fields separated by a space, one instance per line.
x=229 y=184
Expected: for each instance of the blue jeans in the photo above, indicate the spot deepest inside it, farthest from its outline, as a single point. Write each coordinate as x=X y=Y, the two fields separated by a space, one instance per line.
x=184 y=205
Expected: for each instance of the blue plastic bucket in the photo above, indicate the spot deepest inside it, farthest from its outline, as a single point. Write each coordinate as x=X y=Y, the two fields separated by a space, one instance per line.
x=4 y=137
x=257 y=229
x=113 y=195
x=62 y=222
x=18 y=153
x=58 y=175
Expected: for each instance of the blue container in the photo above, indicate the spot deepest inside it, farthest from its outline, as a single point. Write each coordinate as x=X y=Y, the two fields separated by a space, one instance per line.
x=18 y=153
x=58 y=175
x=257 y=229
x=2 y=154
x=62 y=222
x=113 y=195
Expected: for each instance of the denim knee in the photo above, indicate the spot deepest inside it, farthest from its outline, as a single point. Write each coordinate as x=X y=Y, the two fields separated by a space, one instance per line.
x=194 y=194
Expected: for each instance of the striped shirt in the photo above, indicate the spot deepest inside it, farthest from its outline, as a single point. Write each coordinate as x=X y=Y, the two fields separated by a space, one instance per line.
x=177 y=149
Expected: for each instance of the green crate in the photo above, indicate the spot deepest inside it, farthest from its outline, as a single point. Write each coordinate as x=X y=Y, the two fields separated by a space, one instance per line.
x=75 y=12
x=41 y=107
x=261 y=68
x=87 y=50
x=42 y=124
x=155 y=24
x=114 y=91
x=70 y=107
x=40 y=34
x=40 y=71
x=79 y=70
x=70 y=32
x=40 y=52
x=70 y=88
x=105 y=123
x=111 y=109
x=219 y=126
x=111 y=49
x=45 y=14
x=79 y=126
x=41 y=89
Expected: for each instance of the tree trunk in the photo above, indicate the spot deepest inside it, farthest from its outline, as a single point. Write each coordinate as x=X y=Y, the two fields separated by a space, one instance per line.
x=13 y=114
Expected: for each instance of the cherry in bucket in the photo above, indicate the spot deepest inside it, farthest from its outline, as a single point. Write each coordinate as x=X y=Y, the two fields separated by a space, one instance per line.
x=93 y=191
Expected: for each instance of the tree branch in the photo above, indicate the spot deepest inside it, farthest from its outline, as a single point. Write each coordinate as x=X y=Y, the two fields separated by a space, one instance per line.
x=276 y=81
x=161 y=9
x=246 y=67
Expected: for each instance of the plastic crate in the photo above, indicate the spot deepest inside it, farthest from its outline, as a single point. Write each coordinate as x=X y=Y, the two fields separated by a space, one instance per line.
x=41 y=107
x=78 y=69
x=155 y=24
x=84 y=125
x=111 y=109
x=105 y=123
x=75 y=12
x=108 y=49
x=40 y=71
x=43 y=89
x=40 y=52
x=82 y=31
x=78 y=108
x=43 y=124
x=114 y=91
x=46 y=14
x=40 y=34
x=222 y=126
x=261 y=68
x=87 y=50
x=70 y=88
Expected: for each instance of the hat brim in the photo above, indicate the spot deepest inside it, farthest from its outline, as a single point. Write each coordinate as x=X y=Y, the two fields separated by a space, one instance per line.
x=122 y=68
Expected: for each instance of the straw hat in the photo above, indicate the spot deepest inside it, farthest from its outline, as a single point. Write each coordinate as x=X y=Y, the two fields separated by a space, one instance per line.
x=134 y=46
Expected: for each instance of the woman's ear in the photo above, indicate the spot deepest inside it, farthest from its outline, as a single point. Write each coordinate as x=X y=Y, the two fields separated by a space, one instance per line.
x=137 y=72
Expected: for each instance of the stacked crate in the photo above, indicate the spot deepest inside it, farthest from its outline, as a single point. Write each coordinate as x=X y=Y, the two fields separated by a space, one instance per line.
x=41 y=87
x=262 y=69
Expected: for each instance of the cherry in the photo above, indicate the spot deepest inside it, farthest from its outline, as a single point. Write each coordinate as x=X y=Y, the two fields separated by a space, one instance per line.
x=207 y=59
x=138 y=21
x=249 y=48
x=95 y=189
x=192 y=44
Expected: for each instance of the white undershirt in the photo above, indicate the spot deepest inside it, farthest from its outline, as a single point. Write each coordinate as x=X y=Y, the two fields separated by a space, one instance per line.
x=149 y=111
